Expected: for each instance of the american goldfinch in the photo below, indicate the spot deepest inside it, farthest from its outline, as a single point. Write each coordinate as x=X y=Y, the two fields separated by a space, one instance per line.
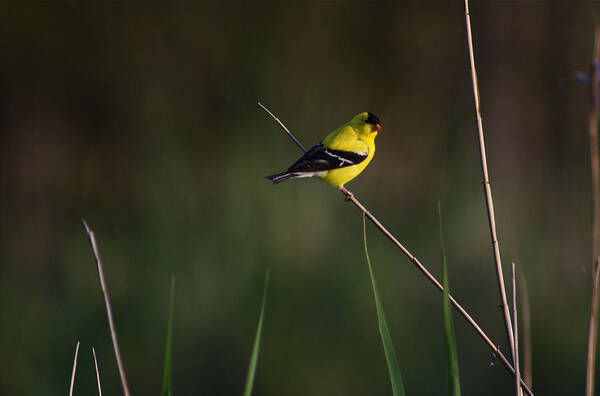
x=341 y=156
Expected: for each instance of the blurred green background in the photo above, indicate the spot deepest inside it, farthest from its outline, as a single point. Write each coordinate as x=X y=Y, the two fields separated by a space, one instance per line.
x=142 y=119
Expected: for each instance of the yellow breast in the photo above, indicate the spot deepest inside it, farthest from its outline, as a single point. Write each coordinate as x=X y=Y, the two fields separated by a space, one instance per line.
x=341 y=176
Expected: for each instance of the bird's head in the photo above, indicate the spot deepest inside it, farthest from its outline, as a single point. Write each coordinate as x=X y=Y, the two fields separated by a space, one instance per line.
x=366 y=123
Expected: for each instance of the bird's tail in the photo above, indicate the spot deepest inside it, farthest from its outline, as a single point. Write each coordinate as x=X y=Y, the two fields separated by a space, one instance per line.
x=279 y=177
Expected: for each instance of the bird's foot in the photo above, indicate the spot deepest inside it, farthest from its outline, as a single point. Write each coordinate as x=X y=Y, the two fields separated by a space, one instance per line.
x=347 y=193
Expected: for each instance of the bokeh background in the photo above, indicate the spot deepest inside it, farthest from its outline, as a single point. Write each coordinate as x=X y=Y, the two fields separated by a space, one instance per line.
x=142 y=119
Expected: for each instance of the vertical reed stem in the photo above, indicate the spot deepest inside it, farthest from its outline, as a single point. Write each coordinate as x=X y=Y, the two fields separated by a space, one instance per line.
x=486 y=186
x=593 y=132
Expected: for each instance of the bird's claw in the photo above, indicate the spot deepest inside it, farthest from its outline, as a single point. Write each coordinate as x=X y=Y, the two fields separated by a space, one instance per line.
x=349 y=196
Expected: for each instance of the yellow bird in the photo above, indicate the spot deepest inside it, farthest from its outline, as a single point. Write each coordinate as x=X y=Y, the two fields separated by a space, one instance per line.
x=341 y=156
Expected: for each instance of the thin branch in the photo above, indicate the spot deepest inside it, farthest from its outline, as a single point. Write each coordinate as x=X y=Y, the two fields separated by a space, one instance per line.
x=592 y=334
x=486 y=186
x=593 y=132
x=111 y=324
x=97 y=372
x=526 y=316
x=518 y=391
x=351 y=197
x=290 y=134
x=74 y=369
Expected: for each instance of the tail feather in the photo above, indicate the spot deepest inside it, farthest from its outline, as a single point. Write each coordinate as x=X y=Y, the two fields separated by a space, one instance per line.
x=279 y=177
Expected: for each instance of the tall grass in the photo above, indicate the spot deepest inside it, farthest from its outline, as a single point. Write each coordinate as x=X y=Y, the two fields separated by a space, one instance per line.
x=166 y=385
x=256 y=346
x=450 y=338
x=518 y=391
x=386 y=339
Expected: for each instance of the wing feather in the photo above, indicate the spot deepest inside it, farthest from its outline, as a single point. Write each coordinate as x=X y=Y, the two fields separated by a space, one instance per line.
x=321 y=158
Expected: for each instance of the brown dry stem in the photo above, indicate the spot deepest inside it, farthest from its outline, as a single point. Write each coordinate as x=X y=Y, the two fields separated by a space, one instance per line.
x=97 y=372
x=109 y=314
x=486 y=186
x=593 y=132
x=74 y=369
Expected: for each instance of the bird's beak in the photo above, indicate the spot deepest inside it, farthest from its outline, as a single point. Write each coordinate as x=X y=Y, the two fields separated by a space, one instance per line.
x=376 y=128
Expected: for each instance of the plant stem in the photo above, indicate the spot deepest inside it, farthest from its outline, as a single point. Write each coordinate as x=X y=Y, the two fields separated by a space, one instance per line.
x=74 y=369
x=592 y=334
x=97 y=372
x=111 y=324
x=526 y=319
x=290 y=134
x=593 y=132
x=518 y=391
x=486 y=186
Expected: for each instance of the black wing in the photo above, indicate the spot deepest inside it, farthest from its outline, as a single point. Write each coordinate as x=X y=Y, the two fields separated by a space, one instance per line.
x=320 y=158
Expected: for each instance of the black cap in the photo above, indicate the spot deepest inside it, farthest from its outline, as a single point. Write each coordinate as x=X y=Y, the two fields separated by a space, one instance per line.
x=372 y=119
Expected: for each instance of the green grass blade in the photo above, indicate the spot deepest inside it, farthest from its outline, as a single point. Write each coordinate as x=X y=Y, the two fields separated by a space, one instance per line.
x=386 y=339
x=256 y=347
x=452 y=357
x=166 y=386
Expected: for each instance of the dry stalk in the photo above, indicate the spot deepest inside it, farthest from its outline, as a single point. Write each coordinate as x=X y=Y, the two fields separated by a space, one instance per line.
x=97 y=372
x=592 y=333
x=518 y=391
x=593 y=132
x=74 y=369
x=486 y=186
x=290 y=134
x=111 y=322
x=352 y=198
